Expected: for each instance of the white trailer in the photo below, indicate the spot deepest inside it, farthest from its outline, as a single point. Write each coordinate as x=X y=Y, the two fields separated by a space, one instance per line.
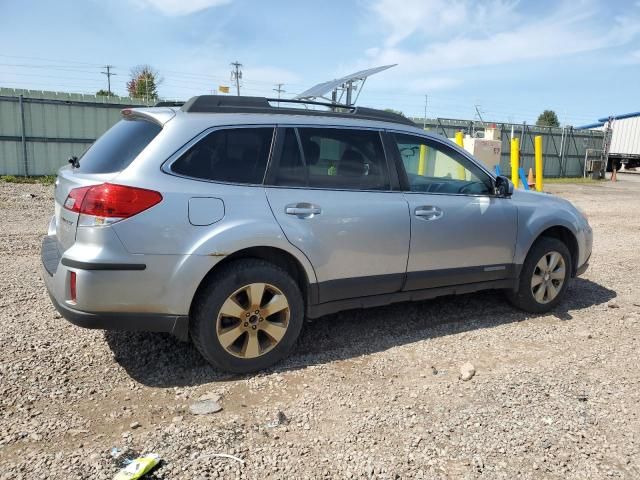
x=624 y=146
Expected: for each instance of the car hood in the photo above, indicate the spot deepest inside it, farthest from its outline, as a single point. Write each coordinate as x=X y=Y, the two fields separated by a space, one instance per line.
x=540 y=198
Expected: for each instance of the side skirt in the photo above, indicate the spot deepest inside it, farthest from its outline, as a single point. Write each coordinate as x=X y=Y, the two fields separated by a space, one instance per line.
x=319 y=310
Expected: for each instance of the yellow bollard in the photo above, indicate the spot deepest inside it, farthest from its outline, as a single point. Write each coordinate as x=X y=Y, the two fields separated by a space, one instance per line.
x=537 y=143
x=462 y=173
x=422 y=162
x=515 y=161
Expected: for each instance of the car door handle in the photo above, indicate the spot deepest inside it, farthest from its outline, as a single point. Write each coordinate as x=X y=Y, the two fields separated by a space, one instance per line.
x=303 y=210
x=428 y=212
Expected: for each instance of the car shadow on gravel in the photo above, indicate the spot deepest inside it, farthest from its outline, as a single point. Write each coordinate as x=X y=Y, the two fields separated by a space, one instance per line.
x=160 y=360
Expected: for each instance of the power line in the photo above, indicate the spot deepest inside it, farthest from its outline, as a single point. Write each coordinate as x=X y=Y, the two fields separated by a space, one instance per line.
x=445 y=105
x=49 y=60
x=66 y=68
x=236 y=75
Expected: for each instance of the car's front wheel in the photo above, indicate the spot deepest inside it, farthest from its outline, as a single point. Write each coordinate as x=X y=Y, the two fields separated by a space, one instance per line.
x=544 y=277
x=247 y=317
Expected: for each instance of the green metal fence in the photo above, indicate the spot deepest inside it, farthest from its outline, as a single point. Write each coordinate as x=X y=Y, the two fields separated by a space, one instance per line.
x=39 y=131
x=564 y=148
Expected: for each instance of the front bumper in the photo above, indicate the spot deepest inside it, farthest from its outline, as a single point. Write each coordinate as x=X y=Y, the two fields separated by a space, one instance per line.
x=585 y=244
x=177 y=325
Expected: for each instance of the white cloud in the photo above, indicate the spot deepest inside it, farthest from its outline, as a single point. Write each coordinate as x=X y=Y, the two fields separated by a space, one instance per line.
x=633 y=58
x=174 y=8
x=434 y=18
x=429 y=37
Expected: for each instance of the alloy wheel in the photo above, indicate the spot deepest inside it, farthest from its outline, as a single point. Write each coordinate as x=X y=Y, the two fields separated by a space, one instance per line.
x=548 y=277
x=253 y=320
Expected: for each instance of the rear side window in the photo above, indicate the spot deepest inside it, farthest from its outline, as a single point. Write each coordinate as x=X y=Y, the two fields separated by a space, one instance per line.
x=291 y=170
x=236 y=155
x=333 y=158
x=118 y=147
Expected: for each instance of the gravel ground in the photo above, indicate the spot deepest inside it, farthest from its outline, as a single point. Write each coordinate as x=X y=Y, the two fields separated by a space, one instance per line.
x=367 y=394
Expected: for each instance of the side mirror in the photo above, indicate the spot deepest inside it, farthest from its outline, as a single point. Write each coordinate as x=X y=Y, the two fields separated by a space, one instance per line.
x=503 y=186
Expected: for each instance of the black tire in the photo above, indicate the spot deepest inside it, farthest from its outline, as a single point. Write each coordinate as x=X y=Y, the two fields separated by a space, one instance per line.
x=523 y=296
x=215 y=292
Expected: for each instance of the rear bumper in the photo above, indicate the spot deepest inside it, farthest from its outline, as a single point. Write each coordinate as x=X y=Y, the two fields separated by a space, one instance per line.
x=130 y=322
x=54 y=273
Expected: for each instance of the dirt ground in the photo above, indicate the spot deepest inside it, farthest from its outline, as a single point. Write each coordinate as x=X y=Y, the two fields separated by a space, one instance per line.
x=367 y=394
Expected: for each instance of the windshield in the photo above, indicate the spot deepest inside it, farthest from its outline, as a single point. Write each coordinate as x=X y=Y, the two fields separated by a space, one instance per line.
x=117 y=148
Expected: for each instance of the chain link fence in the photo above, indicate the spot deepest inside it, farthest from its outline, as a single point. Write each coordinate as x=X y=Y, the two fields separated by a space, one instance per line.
x=564 y=148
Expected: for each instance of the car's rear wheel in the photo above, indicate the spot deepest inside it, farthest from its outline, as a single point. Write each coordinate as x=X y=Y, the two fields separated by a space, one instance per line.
x=544 y=277
x=247 y=317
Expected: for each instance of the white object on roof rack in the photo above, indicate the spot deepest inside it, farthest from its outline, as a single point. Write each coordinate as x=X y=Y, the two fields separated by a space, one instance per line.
x=345 y=84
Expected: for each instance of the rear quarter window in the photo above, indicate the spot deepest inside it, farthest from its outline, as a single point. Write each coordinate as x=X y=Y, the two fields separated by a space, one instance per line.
x=119 y=146
x=234 y=155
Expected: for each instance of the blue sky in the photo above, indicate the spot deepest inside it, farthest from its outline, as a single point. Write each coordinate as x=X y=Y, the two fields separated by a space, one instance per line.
x=513 y=58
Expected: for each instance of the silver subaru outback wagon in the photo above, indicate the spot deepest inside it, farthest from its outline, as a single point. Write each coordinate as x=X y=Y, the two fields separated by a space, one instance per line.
x=228 y=220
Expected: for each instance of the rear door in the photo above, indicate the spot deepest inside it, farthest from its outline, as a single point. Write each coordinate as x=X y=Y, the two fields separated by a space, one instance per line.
x=331 y=192
x=460 y=231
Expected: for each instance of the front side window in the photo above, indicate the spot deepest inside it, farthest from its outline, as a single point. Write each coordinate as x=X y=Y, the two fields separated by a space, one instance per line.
x=432 y=167
x=235 y=155
x=333 y=158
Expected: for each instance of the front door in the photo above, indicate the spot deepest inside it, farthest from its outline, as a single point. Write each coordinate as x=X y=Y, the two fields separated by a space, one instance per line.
x=330 y=191
x=460 y=231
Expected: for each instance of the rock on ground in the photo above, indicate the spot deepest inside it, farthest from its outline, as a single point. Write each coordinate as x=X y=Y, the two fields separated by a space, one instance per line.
x=558 y=398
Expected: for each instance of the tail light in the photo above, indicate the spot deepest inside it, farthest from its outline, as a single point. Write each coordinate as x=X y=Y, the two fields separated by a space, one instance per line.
x=74 y=199
x=108 y=203
x=72 y=287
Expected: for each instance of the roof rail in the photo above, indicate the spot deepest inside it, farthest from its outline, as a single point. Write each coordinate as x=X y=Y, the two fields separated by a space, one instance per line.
x=168 y=103
x=224 y=104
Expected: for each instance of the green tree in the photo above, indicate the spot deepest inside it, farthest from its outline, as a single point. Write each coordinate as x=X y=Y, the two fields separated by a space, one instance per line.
x=144 y=83
x=104 y=93
x=548 y=118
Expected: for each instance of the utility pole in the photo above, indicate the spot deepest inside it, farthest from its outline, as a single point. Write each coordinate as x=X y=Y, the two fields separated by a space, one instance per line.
x=108 y=73
x=478 y=112
x=424 y=120
x=236 y=75
x=280 y=90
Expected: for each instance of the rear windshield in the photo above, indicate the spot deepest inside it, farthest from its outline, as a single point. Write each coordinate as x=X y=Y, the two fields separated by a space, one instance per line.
x=117 y=148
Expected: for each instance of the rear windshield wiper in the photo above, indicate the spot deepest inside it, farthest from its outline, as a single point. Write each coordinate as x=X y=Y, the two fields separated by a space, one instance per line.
x=74 y=162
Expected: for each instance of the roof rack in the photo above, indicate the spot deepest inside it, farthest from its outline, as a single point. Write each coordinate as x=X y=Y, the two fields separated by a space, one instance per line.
x=168 y=103
x=224 y=104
